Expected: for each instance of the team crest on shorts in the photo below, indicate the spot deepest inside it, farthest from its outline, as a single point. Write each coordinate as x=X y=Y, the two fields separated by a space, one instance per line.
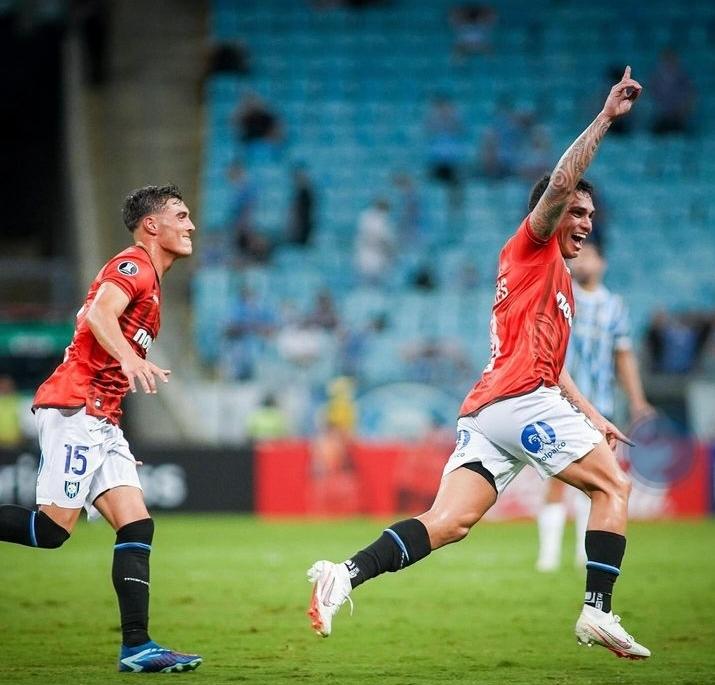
x=71 y=488
x=128 y=268
x=463 y=438
x=537 y=436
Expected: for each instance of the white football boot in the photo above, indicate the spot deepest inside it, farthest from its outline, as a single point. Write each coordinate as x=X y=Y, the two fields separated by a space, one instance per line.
x=331 y=589
x=605 y=629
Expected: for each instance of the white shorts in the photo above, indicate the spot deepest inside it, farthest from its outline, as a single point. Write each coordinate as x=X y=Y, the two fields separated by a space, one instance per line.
x=542 y=429
x=81 y=457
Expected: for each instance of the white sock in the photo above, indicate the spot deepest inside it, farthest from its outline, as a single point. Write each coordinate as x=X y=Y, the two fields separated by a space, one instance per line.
x=550 y=522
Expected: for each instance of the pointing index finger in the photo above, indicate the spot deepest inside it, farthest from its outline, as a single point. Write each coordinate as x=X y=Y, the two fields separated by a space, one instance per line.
x=627 y=73
x=626 y=441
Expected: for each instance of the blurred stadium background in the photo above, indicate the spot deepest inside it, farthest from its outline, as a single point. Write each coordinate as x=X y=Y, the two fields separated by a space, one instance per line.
x=353 y=168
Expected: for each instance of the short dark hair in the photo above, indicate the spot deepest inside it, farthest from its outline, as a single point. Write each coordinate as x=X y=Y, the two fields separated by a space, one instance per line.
x=583 y=186
x=146 y=200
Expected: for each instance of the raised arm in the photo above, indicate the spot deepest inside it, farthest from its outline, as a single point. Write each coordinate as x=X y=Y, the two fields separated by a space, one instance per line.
x=547 y=213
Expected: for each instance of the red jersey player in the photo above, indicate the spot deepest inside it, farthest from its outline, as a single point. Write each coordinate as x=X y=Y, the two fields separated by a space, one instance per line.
x=86 y=461
x=525 y=409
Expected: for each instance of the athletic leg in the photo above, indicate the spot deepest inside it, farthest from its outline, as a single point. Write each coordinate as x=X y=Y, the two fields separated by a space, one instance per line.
x=601 y=478
x=544 y=429
x=550 y=521
x=463 y=498
x=124 y=508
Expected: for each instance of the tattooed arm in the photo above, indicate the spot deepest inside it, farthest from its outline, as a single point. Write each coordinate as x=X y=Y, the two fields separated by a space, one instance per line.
x=547 y=213
x=575 y=397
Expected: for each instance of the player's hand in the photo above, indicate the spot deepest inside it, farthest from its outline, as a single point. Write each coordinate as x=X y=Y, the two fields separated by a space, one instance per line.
x=610 y=431
x=622 y=96
x=614 y=435
x=137 y=369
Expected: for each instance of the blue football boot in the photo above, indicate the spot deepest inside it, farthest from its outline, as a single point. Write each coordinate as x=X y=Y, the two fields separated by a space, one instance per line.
x=152 y=658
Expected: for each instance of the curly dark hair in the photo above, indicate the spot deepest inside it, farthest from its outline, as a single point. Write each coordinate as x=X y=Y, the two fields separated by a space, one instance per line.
x=539 y=188
x=146 y=200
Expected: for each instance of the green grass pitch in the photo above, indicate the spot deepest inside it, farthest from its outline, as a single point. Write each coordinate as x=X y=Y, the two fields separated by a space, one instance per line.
x=233 y=589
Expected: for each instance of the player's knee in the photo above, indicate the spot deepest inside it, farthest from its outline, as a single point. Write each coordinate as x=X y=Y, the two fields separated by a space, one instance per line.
x=141 y=532
x=624 y=486
x=458 y=528
x=48 y=534
x=617 y=487
x=459 y=532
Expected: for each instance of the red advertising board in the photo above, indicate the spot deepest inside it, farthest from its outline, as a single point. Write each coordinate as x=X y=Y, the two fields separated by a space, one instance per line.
x=382 y=479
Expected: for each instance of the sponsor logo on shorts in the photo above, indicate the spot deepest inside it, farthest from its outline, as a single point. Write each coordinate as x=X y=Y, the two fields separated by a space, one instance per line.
x=463 y=438
x=71 y=488
x=539 y=439
x=128 y=268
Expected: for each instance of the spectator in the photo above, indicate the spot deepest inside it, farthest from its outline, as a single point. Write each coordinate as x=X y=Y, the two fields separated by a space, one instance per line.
x=243 y=200
x=354 y=342
x=299 y=341
x=228 y=57
x=334 y=486
x=300 y=220
x=259 y=128
x=250 y=324
x=340 y=409
x=10 y=429
x=323 y=314
x=473 y=27
x=409 y=210
x=444 y=134
x=334 y=483
x=673 y=95
x=250 y=244
x=423 y=278
x=268 y=421
x=375 y=242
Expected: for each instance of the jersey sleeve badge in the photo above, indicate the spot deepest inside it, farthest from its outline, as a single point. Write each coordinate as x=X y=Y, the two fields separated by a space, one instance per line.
x=128 y=268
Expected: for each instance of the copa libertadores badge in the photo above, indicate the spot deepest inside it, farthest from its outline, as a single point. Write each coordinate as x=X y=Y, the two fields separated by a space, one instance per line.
x=128 y=268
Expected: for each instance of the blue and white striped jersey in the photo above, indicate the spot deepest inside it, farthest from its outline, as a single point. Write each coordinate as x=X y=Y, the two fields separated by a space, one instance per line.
x=600 y=328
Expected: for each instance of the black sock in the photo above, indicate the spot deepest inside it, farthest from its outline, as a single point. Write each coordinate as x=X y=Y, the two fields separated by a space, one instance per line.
x=604 y=551
x=130 y=575
x=401 y=545
x=30 y=528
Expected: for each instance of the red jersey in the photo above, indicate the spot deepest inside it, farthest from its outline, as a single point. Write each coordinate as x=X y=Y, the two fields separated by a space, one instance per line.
x=531 y=320
x=89 y=376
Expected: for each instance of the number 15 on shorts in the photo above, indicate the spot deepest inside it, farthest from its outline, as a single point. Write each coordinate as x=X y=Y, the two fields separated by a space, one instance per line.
x=75 y=459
